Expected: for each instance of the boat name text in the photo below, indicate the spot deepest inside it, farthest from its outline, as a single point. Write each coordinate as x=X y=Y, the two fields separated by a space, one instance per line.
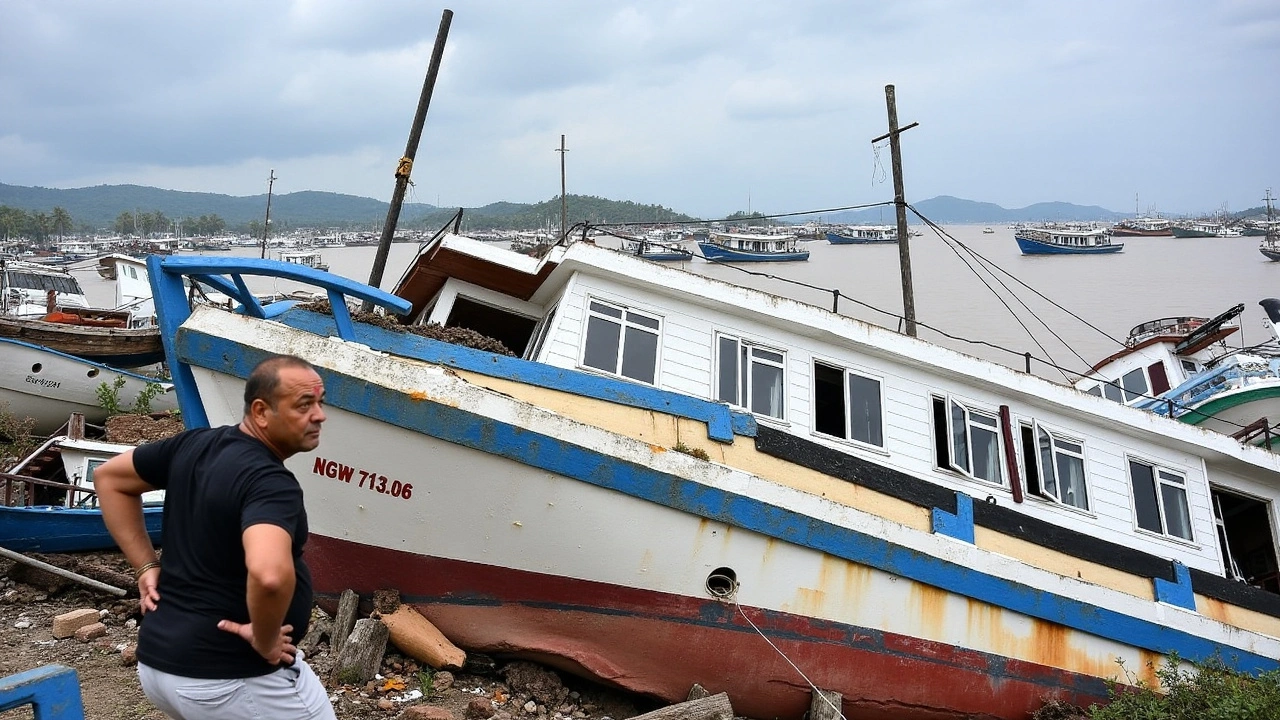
x=43 y=382
x=374 y=481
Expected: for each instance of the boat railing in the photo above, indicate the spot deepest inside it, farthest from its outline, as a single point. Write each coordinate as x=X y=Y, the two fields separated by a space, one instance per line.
x=23 y=487
x=226 y=275
x=1163 y=326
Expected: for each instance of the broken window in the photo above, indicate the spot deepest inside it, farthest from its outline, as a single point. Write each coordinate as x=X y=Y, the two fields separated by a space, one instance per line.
x=1246 y=539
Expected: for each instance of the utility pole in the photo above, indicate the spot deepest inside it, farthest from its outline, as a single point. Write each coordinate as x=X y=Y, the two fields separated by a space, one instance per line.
x=405 y=167
x=266 y=224
x=900 y=203
x=563 y=206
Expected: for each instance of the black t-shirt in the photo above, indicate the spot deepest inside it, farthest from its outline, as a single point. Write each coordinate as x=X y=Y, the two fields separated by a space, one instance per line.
x=217 y=482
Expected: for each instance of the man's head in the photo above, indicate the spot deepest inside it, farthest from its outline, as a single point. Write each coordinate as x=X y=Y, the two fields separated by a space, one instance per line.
x=284 y=405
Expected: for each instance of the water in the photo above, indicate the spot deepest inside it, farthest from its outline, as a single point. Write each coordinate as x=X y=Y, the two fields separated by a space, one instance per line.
x=1152 y=278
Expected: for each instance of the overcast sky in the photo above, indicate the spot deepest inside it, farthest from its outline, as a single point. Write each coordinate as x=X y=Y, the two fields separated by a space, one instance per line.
x=705 y=107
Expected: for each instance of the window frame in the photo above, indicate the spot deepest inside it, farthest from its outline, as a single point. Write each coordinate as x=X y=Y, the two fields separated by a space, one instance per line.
x=969 y=407
x=1156 y=469
x=1036 y=462
x=847 y=373
x=744 y=383
x=622 y=321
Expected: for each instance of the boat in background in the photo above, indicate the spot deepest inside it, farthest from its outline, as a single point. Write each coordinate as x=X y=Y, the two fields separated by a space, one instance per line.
x=750 y=247
x=660 y=250
x=47 y=386
x=862 y=235
x=49 y=504
x=1270 y=246
x=733 y=481
x=1143 y=227
x=305 y=258
x=988 y=231
x=1071 y=239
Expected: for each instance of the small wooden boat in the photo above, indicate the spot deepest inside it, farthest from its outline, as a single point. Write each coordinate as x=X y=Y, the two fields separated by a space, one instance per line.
x=744 y=247
x=99 y=335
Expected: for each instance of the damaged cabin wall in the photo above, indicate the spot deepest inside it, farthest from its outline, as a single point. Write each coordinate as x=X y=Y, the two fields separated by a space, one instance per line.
x=686 y=364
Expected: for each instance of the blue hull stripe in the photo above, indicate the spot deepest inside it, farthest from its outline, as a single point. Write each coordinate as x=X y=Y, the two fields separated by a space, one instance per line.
x=591 y=466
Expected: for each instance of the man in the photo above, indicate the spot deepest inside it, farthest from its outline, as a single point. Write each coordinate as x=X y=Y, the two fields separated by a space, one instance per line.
x=222 y=612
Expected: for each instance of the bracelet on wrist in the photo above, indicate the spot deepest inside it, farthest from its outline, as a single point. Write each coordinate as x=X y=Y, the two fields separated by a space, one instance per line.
x=137 y=574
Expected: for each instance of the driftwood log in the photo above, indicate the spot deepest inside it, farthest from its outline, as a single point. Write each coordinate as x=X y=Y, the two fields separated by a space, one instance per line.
x=712 y=707
x=825 y=705
x=414 y=635
x=361 y=653
x=344 y=621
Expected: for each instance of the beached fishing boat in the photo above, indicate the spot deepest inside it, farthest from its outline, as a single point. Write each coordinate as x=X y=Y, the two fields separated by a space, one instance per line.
x=33 y=289
x=103 y=336
x=49 y=504
x=683 y=480
x=47 y=385
x=1065 y=240
x=749 y=247
x=863 y=234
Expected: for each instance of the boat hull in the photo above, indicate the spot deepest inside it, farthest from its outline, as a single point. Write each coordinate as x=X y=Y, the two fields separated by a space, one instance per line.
x=57 y=529
x=1179 y=232
x=47 y=386
x=1121 y=231
x=838 y=239
x=1029 y=246
x=718 y=253
x=1269 y=253
x=117 y=347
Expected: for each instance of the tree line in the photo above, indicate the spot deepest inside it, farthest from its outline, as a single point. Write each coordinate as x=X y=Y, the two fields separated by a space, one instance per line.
x=42 y=227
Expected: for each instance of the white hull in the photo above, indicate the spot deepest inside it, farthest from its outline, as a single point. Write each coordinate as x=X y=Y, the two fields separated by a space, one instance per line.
x=48 y=386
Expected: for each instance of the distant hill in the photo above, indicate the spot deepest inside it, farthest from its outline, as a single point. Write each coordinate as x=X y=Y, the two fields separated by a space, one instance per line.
x=947 y=209
x=98 y=207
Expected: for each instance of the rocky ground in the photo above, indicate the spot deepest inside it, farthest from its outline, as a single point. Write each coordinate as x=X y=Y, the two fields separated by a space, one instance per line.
x=487 y=688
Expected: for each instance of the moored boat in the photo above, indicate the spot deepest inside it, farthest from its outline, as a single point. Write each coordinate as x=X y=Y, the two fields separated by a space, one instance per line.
x=862 y=234
x=306 y=258
x=1142 y=227
x=750 y=247
x=1270 y=246
x=685 y=480
x=1065 y=240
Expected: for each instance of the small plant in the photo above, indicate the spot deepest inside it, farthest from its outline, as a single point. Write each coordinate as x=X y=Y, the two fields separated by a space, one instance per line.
x=425 y=683
x=109 y=395
x=16 y=440
x=142 y=406
x=692 y=451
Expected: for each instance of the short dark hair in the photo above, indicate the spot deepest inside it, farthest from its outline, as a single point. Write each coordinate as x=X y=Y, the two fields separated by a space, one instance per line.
x=264 y=379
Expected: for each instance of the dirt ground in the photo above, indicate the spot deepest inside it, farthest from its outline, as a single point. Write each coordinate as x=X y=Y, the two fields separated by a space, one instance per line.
x=30 y=599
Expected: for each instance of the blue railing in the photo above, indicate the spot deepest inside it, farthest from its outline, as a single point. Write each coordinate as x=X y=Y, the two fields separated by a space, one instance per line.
x=226 y=275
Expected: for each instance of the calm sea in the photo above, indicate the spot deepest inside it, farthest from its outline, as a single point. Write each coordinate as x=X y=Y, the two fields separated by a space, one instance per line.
x=1152 y=278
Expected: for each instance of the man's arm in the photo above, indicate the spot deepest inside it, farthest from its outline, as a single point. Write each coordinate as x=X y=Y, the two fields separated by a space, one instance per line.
x=120 y=490
x=268 y=556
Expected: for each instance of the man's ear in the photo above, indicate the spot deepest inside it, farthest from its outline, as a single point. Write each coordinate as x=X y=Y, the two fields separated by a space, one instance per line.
x=258 y=411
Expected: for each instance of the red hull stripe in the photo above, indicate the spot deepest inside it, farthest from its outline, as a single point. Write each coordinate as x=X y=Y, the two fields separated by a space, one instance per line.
x=659 y=643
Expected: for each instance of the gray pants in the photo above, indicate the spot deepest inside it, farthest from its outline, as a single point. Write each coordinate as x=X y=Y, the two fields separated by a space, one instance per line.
x=292 y=692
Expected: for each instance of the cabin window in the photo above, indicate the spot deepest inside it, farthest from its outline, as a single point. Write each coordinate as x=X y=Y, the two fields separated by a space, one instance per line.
x=847 y=405
x=35 y=281
x=1054 y=466
x=1134 y=383
x=750 y=376
x=621 y=341
x=967 y=440
x=1189 y=367
x=540 y=334
x=1160 y=499
x=1096 y=391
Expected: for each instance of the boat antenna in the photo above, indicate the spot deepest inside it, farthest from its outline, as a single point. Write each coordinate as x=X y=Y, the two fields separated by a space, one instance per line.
x=563 y=232
x=900 y=203
x=405 y=167
x=266 y=223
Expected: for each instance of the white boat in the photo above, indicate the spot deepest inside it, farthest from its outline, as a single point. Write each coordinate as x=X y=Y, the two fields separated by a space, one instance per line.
x=1181 y=367
x=684 y=480
x=862 y=234
x=306 y=258
x=34 y=289
x=1052 y=239
x=47 y=386
x=751 y=247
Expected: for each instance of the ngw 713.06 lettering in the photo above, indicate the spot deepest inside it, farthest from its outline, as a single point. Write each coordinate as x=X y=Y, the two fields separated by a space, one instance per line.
x=376 y=482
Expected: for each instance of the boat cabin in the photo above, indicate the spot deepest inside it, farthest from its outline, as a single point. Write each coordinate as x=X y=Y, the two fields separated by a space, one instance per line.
x=32 y=289
x=1057 y=455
